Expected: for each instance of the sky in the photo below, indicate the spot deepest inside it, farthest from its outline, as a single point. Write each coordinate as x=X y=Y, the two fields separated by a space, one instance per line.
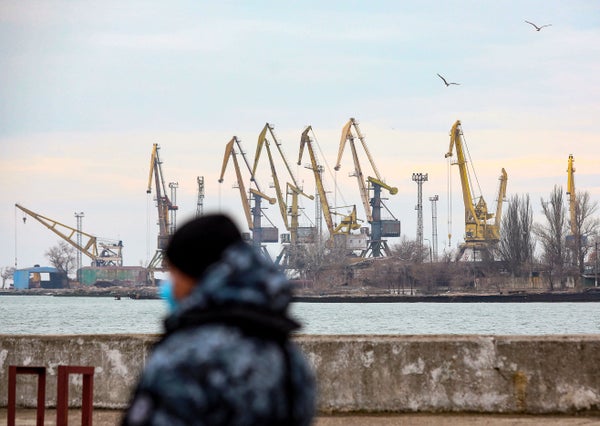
x=88 y=87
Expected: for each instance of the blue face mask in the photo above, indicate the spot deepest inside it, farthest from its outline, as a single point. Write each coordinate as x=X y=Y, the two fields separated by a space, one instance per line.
x=165 y=291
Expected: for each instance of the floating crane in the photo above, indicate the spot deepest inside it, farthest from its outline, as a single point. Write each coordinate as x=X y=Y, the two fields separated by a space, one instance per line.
x=390 y=228
x=253 y=215
x=572 y=195
x=480 y=233
x=292 y=188
x=102 y=253
x=166 y=210
x=349 y=222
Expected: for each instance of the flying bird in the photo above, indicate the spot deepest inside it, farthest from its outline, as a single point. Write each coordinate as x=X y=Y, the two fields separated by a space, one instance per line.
x=446 y=83
x=538 y=28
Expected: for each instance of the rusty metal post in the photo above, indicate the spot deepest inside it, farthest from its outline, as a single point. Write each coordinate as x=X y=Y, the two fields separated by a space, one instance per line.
x=62 y=394
x=87 y=398
x=13 y=370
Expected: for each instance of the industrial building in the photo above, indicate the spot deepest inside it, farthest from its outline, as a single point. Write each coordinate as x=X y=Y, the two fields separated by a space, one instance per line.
x=39 y=277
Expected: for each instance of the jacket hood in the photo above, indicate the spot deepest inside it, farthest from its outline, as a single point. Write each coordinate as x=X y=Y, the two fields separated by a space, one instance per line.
x=243 y=281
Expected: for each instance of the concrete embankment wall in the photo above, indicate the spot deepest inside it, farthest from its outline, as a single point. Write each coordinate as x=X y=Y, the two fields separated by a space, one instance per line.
x=482 y=374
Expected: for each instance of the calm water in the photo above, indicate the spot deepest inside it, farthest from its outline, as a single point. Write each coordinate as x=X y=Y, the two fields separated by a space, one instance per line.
x=99 y=315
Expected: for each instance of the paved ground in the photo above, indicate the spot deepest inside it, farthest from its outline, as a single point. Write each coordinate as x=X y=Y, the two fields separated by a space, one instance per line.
x=26 y=417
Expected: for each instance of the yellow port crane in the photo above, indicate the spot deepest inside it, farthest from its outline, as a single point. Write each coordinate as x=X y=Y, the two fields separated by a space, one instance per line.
x=102 y=253
x=349 y=222
x=480 y=233
x=166 y=224
x=253 y=215
x=292 y=188
x=379 y=229
x=572 y=195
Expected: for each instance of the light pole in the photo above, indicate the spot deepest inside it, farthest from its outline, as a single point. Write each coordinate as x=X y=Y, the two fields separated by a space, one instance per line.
x=434 y=235
x=419 y=178
x=79 y=217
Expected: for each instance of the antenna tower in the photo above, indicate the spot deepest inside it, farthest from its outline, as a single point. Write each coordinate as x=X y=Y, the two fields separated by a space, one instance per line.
x=419 y=178
x=434 y=234
x=79 y=217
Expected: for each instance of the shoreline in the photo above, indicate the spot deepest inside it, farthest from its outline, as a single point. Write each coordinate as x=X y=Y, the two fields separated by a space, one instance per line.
x=588 y=295
x=584 y=296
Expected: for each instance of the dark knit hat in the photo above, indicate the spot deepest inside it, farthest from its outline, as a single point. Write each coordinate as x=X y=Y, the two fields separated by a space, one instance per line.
x=200 y=243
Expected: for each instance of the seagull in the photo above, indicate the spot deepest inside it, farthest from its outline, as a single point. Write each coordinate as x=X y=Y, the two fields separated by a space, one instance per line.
x=538 y=28
x=446 y=83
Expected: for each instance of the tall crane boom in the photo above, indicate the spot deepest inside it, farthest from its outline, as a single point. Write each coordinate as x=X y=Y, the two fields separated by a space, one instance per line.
x=262 y=138
x=164 y=206
x=253 y=215
x=377 y=246
x=306 y=141
x=478 y=231
x=230 y=153
x=349 y=222
x=348 y=136
x=292 y=188
x=501 y=197
x=572 y=195
x=101 y=253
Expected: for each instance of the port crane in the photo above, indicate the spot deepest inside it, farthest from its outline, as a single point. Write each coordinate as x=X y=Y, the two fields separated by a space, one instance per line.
x=481 y=234
x=101 y=253
x=290 y=211
x=576 y=240
x=389 y=228
x=348 y=222
x=253 y=215
x=292 y=188
x=166 y=209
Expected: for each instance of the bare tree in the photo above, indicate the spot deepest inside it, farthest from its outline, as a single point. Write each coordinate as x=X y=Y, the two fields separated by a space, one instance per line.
x=324 y=266
x=586 y=227
x=6 y=273
x=552 y=236
x=516 y=244
x=410 y=251
x=62 y=256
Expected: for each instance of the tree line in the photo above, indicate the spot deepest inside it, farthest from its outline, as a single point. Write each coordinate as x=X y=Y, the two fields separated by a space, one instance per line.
x=560 y=246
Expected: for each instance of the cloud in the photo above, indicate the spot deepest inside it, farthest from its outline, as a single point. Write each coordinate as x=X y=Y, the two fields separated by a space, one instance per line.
x=195 y=40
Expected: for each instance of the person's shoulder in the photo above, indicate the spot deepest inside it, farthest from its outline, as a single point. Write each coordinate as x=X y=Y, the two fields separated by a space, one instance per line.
x=204 y=343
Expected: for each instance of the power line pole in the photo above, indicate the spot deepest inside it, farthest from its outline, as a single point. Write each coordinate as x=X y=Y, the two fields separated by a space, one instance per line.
x=200 y=201
x=419 y=178
x=434 y=234
x=79 y=217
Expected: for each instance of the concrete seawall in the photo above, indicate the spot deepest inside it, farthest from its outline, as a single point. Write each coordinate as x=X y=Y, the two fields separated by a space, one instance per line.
x=376 y=374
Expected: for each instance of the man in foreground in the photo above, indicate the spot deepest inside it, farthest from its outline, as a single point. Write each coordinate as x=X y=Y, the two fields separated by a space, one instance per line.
x=225 y=357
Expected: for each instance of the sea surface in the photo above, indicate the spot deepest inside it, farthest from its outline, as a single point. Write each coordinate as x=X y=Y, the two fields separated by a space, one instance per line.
x=104 y=315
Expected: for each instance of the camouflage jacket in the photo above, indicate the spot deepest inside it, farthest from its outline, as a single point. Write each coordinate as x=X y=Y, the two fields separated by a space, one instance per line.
x=226 y=357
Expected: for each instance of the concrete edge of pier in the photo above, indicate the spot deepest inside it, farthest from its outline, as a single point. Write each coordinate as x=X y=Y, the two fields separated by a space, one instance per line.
x=359 y=375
